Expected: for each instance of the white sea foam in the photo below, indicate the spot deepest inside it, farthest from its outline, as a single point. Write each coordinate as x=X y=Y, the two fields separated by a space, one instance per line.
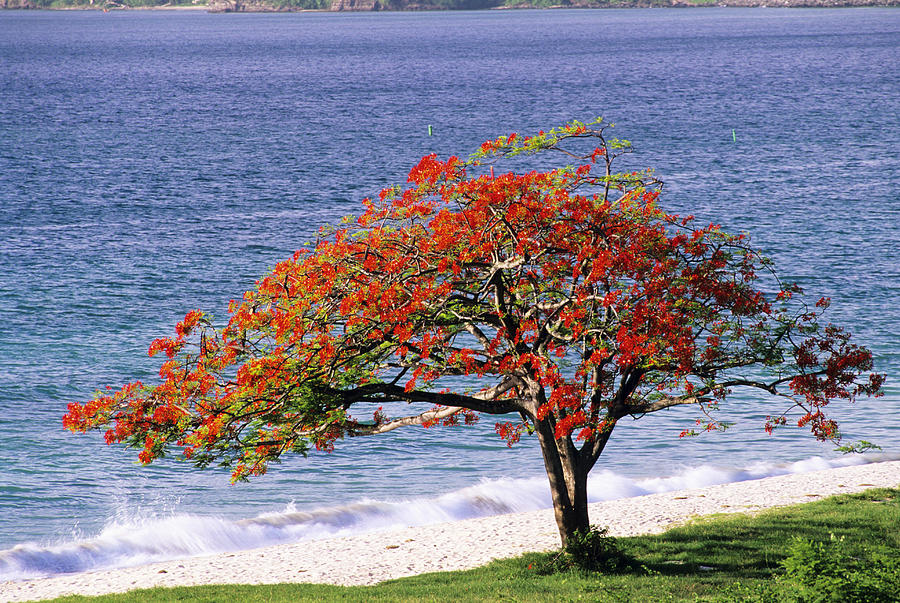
x=142 y=539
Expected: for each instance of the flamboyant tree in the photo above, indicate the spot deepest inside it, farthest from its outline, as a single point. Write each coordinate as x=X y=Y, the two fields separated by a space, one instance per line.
x=564 y=298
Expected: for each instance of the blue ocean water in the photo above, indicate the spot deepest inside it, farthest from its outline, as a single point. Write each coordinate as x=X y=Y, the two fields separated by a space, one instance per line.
x=153 y=162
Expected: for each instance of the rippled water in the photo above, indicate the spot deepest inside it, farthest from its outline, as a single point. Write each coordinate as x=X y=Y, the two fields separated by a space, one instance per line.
x=152 y=163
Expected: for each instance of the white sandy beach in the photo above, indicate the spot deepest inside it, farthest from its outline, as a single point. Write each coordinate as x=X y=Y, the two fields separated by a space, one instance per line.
x=374 y=557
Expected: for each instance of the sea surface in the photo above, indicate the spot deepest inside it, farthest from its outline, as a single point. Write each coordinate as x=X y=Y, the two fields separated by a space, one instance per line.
x=156 y=162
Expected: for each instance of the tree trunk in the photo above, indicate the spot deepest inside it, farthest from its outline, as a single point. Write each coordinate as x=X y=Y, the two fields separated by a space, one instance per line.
x=568 y=482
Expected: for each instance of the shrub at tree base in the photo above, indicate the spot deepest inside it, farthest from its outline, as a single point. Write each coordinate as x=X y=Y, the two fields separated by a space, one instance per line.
x=593 y=551
x=565 y=297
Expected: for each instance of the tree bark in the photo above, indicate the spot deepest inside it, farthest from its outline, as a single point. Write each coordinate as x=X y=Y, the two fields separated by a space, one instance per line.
x=568 y=482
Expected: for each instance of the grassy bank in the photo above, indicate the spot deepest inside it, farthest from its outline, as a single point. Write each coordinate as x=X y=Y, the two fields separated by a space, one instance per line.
x=738 y=558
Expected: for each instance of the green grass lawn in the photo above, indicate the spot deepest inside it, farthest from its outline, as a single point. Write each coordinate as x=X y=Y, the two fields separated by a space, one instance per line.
x=722 y=558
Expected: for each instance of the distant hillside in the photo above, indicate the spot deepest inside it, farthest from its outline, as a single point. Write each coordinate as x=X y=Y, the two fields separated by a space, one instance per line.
x=401 y=5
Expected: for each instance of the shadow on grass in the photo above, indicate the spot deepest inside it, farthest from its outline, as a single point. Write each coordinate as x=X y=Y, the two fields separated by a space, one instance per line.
x=752 y=547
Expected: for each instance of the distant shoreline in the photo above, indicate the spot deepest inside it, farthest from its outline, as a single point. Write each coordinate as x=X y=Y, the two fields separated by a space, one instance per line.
x=271 y=6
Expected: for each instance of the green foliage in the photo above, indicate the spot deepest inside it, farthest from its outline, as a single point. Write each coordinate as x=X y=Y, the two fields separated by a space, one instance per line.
x=592 y=551
x=858 y=447
x=116 y=4
x=825 y=572
x=101 y=4
x=441 y=4
x=537 y=3
x=299 y=4
x=279 y=5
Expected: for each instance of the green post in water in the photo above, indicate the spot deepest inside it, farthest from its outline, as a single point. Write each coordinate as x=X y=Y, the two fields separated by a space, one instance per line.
x=733 y=135
x=429 y=130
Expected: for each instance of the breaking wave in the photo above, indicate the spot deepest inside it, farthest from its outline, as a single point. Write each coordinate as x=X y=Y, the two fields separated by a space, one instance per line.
x=129 y=541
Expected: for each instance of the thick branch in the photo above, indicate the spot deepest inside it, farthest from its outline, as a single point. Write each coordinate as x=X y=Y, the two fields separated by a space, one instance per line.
x=484 y=401
x=435 y=414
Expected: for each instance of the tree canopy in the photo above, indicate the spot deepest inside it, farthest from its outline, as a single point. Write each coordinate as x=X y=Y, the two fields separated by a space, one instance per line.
x=565 y=298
